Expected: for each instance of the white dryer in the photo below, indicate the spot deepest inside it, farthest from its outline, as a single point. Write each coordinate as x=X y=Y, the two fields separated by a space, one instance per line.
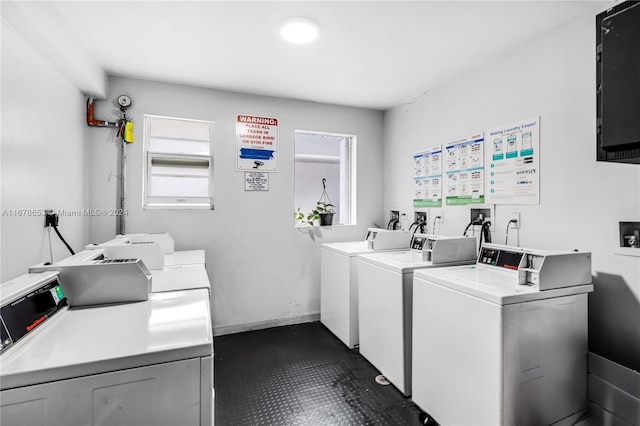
x=148 y=362
x=503 y=342
x=149 y=247
x=339 y=279
x=385 y=300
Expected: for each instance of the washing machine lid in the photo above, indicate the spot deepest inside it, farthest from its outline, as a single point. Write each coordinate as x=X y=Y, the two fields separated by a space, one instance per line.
x=168 y=327
x=185 y=257
x=355 y=248
x=180 y=277
x=351 y=248
x=405 y=261
x=496 y=286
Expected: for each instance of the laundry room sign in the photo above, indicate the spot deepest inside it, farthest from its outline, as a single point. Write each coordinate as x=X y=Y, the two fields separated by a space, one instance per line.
x=513 y=163
x=256 y=181
x=257 y=143
x=464 y=170
x=427 y=177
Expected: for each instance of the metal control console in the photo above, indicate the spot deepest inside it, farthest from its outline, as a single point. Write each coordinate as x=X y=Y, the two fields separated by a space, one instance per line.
x=26 y=303
x=385 y=239
x=541 y=268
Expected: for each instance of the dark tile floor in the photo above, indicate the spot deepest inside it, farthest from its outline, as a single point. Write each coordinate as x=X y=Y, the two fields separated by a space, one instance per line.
x=301 y=375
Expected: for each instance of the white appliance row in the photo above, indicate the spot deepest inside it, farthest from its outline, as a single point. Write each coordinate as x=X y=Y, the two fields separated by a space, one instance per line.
x=494 y=338
x=96 y=352
x=339 y=279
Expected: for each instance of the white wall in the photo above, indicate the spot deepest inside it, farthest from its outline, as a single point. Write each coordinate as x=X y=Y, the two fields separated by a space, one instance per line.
x=43 y=157
x=581 y=200
x=262 y=269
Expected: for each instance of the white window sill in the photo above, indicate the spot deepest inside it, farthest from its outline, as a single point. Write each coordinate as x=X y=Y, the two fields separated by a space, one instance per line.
x=177 y=207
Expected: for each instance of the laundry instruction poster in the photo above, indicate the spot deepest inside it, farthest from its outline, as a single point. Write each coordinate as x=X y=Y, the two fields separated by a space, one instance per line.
x=257 y=143
x=464 y=170
x=427 y=177
x=513 y=163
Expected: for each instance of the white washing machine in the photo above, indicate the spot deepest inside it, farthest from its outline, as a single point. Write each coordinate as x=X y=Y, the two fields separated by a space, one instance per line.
x=385 y=300
x=503 y=342
x=184 y=257
x=154 y=249
x=339 y=280
x=180 y=277
x=93 y=266
x=148 y=363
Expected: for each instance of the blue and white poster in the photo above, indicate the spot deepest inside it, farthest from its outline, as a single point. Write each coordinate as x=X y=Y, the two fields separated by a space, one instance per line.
x=464 y=170
x=257 y=142
x=513 y=163
x=427 y=177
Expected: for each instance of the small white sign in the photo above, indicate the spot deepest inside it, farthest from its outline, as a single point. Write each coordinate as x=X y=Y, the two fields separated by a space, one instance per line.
x=256 y=181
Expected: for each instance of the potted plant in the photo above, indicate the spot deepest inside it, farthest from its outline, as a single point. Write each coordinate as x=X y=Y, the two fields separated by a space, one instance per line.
x=322 y=212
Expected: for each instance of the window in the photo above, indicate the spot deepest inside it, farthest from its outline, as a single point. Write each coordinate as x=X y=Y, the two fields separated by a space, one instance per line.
x=327 y=156
x=178 y=167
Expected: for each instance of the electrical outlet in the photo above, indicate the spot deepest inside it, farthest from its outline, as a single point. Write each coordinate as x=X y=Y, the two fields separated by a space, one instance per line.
x=50 y=218
x=514 y=216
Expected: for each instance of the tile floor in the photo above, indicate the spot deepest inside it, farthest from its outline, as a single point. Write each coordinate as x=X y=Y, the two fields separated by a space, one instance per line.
x=301 y=375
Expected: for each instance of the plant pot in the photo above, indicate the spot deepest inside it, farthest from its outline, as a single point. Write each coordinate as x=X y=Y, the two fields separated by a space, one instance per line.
x=326 y=219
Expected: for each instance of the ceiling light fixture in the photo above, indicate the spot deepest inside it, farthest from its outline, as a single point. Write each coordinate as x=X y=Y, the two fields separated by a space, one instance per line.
x=299 y=30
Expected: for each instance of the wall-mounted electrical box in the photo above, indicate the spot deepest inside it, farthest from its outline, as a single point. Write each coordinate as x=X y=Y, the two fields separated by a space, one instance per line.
x=630 y=234
x=483 y=213
x=480 y=215
x=394 y=219
x=618 y=86
x=420 y=216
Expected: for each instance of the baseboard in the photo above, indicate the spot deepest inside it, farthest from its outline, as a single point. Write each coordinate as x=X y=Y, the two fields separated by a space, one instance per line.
x=614 y=391
x=239 y=328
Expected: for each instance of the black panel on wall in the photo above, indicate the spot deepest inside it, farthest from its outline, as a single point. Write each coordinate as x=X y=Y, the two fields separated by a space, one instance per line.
x=618 y=83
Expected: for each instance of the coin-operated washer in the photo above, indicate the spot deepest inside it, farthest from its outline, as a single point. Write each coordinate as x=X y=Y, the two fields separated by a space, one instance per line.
x=147 y=362
x=339 y=279
x=503 y=342
x=165 y=243
x=148 y=254
x=385 y=282
x=171 y=270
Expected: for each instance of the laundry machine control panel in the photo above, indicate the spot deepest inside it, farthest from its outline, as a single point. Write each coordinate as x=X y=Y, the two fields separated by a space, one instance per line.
x=28 y=310
x=501 y=258
x=544 y=269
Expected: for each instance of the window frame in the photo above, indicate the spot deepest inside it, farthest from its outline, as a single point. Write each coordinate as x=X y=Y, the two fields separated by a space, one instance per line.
x=351 y=198
x=150 y=202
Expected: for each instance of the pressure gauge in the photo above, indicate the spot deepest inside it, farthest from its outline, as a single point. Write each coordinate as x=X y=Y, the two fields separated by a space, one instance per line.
x=124 y=100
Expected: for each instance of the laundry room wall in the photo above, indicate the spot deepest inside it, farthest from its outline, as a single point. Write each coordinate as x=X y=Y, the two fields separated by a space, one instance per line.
x=43 y=156
x=581 y=200
x=263 y=270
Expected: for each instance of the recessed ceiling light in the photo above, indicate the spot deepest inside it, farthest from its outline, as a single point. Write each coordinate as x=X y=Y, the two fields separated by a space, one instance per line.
x=299 y=30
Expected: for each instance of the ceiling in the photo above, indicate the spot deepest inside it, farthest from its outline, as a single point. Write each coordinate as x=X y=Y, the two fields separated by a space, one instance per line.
x=372 y=54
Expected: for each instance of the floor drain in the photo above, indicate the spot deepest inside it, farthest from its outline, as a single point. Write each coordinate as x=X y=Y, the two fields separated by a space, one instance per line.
x=381 y=380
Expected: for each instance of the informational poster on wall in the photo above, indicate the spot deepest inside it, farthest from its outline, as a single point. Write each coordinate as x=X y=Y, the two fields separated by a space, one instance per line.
x=256 y=181
x=464 y=170
x=257 y=142
x=427 y=177
x=513 y=163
